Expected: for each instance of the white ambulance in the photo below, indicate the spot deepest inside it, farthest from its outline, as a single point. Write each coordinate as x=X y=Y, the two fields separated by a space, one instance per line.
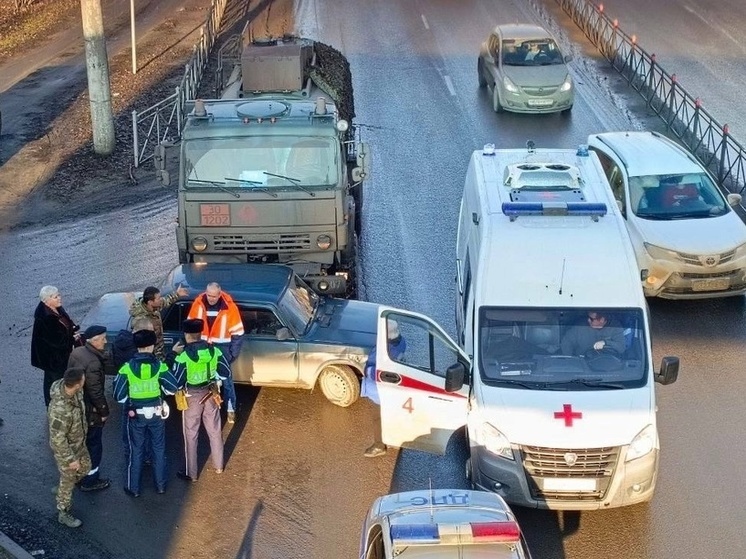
x=552 y=375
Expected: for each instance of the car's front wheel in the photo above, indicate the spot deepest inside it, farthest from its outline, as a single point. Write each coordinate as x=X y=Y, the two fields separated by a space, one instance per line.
x=340 y=385
x=496 y=100
x=480 y=73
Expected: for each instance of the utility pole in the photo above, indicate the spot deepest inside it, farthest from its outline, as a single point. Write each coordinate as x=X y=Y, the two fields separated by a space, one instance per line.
x=97 y=67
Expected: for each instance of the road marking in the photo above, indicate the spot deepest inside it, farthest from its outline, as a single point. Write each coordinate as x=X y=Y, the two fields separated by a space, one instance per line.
x=424 y=21
x=449 y=85
x=714 y=26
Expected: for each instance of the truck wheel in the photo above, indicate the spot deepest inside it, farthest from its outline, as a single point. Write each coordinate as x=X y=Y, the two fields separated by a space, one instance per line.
x=358 y=196
x=340 y=385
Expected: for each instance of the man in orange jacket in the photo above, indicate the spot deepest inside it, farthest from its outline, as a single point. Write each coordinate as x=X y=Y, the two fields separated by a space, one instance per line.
x=223 y=328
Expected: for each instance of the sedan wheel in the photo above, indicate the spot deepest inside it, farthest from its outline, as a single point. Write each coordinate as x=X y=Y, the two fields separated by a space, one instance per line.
x=480 y=74
x=340 y=385
x=496 y=100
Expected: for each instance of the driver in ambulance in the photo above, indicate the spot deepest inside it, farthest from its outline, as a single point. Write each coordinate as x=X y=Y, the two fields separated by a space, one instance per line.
x=598 y=334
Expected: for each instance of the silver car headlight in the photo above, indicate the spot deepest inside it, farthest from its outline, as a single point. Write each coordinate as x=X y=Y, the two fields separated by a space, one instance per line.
x=644 y=443
x=509 y=85
x=567 y=84
x=741 y=251
x=660 y=253
x=323 y=242
x=495 y=442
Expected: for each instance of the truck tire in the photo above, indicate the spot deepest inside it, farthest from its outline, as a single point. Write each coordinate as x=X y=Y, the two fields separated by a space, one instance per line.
x=357 y=194
x=340 y=385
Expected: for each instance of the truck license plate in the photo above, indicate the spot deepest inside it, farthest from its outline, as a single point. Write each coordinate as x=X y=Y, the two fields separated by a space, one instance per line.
x=214 y=215
x=540 y=102
x=569 y=484
x=714 y=284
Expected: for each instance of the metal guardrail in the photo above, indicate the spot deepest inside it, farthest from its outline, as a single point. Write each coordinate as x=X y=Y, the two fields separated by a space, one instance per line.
x=683 y=114
x=163 y=121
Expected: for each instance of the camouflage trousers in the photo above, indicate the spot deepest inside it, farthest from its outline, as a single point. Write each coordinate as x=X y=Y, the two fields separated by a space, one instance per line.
x=68 y=479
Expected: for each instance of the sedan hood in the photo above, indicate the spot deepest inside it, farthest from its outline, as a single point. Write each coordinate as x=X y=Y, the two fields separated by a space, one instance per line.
x=537 y=76
x=342 y=322
x=707 y=235
x=112 y=311
x=542 y=417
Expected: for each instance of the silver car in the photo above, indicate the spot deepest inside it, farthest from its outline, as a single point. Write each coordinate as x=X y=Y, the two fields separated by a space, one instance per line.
x=525 y=71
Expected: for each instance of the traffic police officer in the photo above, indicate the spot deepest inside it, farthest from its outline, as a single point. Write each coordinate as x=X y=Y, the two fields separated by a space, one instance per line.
x=139 y=385
x=198 y=368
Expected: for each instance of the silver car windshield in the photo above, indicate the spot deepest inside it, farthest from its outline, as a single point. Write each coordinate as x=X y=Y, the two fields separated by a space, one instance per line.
x=277 y=162
x=534 y=52
x=675 y=196
x=298 y=305
x=563 y=349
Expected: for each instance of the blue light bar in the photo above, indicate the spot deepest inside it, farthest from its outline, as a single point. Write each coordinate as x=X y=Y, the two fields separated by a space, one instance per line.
x=591 y=209
x=414 y=532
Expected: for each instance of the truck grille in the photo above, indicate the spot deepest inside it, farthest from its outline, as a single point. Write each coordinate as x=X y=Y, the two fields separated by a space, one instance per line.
x=262 y=244
x=590 y=463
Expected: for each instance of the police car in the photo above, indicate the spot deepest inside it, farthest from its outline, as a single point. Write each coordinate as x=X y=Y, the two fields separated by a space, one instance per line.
x=441 y=524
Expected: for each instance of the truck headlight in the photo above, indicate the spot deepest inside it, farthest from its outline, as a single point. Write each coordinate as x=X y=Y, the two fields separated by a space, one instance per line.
x=644 y=443
x=495 y=442
x=509 y=85
x=567 y=85
x=342 y=125
x=199 y=244
x=323 y=242
x=660 y=253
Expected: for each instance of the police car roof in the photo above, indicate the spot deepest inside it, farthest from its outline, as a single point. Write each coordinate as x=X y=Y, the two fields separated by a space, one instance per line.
x=554 y=260
x=256 y=282
x=442 y=499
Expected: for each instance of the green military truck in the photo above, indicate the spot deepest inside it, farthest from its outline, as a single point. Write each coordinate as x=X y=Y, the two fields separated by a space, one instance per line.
x=272 y=171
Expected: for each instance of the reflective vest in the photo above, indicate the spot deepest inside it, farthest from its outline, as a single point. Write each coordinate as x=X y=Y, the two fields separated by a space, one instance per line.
x=145 y=384
x=200 y=372
x=226 y=323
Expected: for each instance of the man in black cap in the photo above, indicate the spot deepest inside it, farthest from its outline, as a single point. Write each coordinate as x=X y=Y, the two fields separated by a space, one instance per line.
x=91 y=358
x=140 y=386
x=198 y=368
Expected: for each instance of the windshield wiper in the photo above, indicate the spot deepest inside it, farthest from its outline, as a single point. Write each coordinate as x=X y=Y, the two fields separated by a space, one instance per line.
x=594 y=383
x=255 y=185
x=294 y=182
x=530 y=386
x=220 y=185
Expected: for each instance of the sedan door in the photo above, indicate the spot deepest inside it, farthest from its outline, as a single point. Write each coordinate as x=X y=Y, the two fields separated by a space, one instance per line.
x=416 y=410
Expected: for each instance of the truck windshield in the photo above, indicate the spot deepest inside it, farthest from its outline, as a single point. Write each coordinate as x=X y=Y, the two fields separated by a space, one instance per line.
x=251 y=162
x=563 y=349
x=298 y=305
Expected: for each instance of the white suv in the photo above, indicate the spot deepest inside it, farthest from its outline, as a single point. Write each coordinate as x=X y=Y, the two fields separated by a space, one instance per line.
x=688 y=241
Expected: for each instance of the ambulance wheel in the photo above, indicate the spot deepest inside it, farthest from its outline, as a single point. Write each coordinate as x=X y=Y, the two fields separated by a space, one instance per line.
x=340 y=385
x=467 y=468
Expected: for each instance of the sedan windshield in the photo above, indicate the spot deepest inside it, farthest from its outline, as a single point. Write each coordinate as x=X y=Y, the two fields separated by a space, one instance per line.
x=675 y=196
x=563 y=349
x=534 y=52
x=277 y=162
x=298 y=305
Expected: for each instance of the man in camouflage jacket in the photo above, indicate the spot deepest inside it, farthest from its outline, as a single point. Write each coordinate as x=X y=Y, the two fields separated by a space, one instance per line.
x=150 y=306
x=67 y=435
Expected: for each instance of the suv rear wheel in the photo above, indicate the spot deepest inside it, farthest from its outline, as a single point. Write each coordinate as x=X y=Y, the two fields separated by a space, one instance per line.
x=340 y=385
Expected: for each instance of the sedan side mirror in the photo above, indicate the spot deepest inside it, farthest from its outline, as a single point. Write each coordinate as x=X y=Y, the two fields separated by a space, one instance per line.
x=669 y=371
x=455 y=376
x=734 y=199
x=283 y=334
x=568 y=58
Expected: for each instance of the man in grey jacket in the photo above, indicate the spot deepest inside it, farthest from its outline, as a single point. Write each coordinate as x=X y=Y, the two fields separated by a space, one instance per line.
x=599 y=334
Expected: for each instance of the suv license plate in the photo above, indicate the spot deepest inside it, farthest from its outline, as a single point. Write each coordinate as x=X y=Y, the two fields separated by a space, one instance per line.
x=569 y=484
x=540 y=102
x=714 y=284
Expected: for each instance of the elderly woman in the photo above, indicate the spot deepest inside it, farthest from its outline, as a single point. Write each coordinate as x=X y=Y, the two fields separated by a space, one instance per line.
x=53 y=337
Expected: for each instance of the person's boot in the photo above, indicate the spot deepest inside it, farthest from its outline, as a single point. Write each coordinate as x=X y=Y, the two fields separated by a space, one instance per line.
x=64 y=517
x=231 y=417
x=376 y=449
x=98 y=485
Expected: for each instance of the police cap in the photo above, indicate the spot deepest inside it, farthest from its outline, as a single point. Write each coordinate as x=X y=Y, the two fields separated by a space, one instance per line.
x=144 y=338
x=193 y=326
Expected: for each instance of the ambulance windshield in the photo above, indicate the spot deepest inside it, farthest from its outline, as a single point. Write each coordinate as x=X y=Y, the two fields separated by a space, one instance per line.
x=563 y=349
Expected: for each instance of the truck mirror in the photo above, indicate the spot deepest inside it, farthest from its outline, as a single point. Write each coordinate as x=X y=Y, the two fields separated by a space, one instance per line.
x=455 y=376
x=283 y=334
x=669 y=371
x=164 y=177
x=363 y=161
x=357 y=174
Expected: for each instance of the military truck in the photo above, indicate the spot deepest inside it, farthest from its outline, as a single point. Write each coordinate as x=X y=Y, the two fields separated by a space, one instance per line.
x=272 y=170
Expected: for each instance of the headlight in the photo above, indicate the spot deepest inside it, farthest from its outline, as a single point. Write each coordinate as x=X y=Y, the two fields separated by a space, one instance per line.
x=659 y=253
x=567 y=85
x=495 y=442
x=323 y=242
x=199 y=244
x=509 y=85
x=342 y=125
x=741 y=250
x=645 y=441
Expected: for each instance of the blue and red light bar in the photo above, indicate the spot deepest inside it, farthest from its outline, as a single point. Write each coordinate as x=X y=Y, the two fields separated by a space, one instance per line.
x=592 y=209
x=455 y=534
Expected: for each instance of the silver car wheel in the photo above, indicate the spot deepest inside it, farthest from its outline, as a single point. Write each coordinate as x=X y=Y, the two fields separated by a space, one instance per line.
x=340 y=385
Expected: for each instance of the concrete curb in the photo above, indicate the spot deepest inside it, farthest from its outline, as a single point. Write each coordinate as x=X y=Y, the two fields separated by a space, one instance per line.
x=13 y=548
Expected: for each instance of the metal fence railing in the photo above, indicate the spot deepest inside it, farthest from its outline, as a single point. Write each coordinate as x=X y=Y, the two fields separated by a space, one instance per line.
x=683 y=114
x=163 y=121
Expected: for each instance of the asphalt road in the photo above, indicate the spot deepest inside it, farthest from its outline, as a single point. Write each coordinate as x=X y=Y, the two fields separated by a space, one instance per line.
x=296 y=484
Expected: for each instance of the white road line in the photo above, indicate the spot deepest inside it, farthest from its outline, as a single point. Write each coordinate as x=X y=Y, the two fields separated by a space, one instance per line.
x=424 y=21
x=714 y=26
x=449 y=85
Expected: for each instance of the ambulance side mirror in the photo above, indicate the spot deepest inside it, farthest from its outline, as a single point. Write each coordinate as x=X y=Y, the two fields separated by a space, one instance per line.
x=455 y=377
x=669 y=371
